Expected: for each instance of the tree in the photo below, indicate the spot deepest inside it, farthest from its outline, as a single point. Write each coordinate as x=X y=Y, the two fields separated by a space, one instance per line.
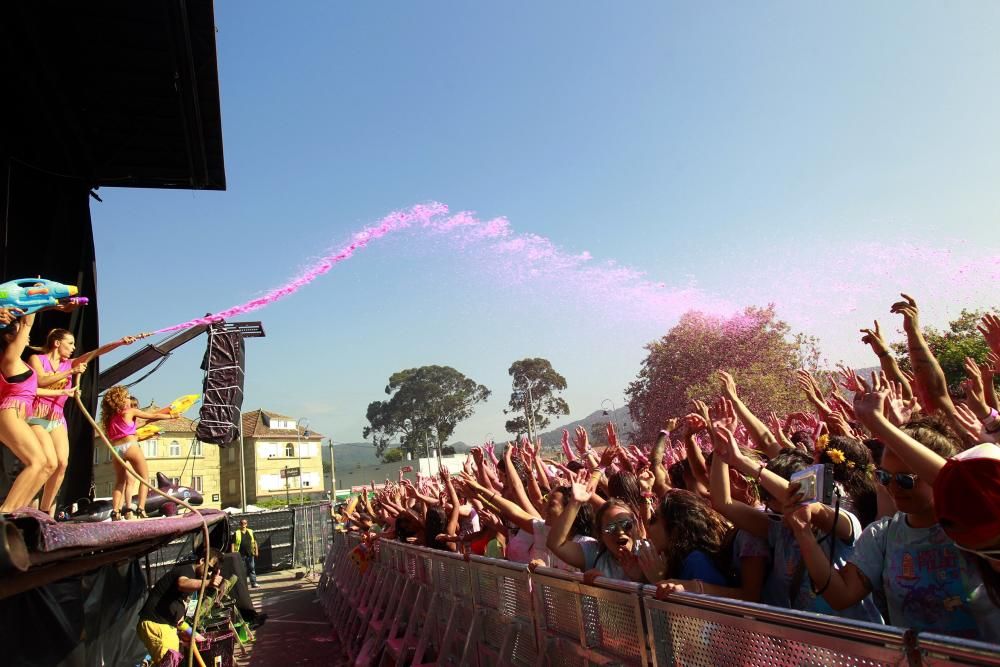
x=599 y=434
x=951 y=346
x=544 y=383
x=755 y=346
x=447 y=450
x=392 y=455
x=425 y=405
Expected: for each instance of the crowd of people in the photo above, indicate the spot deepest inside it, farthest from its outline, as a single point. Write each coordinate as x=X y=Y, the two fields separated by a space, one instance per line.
x=884 y=508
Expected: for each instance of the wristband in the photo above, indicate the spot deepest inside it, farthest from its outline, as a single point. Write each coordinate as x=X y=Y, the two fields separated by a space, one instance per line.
x=993 y=417
x=664 y=432
x=760 y=471
x=881 y=355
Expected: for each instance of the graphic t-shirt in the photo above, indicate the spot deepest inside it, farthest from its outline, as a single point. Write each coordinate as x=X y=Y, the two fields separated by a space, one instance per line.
x=787 y=556
x=928 y=583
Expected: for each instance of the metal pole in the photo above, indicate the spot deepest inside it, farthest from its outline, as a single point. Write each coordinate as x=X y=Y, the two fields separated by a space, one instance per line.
x=287 y=501
x=298 y=436
x=243 y=471
x=333 y=474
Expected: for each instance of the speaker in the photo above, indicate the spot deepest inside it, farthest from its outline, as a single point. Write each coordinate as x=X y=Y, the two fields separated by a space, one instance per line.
x=222 y=394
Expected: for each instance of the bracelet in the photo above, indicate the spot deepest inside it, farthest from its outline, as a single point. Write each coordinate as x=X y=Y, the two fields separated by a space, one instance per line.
x=993 y=417
x=881 y=355
x=760 y=471
x=829 y=578
x=664 y=432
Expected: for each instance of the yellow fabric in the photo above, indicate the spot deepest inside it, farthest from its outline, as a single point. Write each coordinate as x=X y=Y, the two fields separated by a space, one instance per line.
x=239 y=538
x=158 y=638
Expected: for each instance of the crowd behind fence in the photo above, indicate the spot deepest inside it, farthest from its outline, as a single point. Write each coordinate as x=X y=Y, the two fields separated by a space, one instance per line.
x=419 y=606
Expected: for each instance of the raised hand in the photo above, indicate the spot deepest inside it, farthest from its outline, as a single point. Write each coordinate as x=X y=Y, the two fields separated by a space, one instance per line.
x=567 y=450
x=724 y=414
x=911 y=314
x=898 y=409
x=582 y=441
x=728 y=385
x=989 y=326
x=850 y=382
x=874 y=338
x=838 y=425
x=612 y=435
x=973 y=384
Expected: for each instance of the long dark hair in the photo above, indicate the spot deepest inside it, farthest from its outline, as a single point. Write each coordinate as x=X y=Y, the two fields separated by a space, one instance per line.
x=434 y=525
x=854 y=469
x=583 y=524
x=691 y=525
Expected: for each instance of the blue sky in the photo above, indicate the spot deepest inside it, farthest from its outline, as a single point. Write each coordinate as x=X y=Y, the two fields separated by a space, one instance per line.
x=753 y=152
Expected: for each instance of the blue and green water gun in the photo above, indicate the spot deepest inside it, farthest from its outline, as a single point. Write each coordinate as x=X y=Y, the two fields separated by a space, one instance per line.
x=33 y=294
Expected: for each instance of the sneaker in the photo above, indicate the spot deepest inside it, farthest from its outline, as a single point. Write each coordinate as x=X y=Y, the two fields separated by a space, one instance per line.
x=255 y=585
x=258 y=621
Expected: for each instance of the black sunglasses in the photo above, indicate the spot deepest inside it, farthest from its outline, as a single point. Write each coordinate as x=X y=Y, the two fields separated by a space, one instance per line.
x=623 y=525
x=905 y=480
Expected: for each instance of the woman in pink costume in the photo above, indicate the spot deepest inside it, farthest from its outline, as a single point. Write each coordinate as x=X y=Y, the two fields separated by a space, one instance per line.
x=55 y=369
x=18 y=389
x=118 y=421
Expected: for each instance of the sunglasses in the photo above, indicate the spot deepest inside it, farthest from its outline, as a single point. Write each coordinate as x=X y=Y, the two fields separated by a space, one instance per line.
x=621 y=525
x=905 y=480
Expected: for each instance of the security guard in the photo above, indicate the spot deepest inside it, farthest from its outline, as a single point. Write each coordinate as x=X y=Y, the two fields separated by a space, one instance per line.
x=246 y=544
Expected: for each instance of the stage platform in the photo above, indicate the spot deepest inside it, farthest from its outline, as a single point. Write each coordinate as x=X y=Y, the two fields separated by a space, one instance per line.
x=42 y=551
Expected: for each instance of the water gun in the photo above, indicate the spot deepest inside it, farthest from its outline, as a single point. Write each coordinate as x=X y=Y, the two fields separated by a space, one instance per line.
x=183 y=404
x=34 y=294
x=146 y=432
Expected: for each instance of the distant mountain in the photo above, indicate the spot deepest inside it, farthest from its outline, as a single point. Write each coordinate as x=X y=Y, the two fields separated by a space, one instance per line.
x=552 y=439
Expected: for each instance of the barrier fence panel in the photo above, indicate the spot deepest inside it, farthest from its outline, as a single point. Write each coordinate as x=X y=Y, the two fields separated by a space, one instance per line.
x=705 y=631
x=503 y=630
x=939 y=651
x=588 y=625
x=417 y=606
x=313 y=526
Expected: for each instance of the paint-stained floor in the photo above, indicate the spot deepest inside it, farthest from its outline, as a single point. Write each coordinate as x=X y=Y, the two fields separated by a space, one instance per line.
x=297 y=631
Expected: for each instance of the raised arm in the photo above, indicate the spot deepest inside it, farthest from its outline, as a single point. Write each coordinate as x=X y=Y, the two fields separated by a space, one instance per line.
x=661 y=481
x=890 y=367
x=511 y=511
x=87 y=357
x=925 y=366
x=840 y=588
x=738 y=513
x=517 y=489
x=559 y=542
x=15 y=348
x=761 y=436
x=869 y=406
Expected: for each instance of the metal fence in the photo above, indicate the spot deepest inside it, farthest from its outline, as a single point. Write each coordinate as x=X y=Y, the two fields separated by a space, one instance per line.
x=311 y=538
x=419 y=606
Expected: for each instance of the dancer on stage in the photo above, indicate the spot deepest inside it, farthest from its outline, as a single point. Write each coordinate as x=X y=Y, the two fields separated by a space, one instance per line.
x=55 y=369
x=118 y=421
x=18 y=389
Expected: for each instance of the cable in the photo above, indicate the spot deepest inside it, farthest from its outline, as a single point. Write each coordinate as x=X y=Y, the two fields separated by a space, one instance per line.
x=204 y=523
x=155 y=368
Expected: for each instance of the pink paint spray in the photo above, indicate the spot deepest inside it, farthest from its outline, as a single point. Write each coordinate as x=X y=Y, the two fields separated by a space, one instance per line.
x=420 y=214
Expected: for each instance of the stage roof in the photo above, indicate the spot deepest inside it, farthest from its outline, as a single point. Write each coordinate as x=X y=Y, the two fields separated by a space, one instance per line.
x=113 y=93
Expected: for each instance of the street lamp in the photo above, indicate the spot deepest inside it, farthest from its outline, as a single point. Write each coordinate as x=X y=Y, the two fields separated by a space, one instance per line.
x=298 y=438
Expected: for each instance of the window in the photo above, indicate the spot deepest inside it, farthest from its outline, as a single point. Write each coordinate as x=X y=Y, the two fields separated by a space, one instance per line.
x=232 y=486
x=175 y=448
x=97 y=454
x=196 y=483
x=289 y=450
x=149 y=448
x=232 y=455
x=196 y=448
x=107 y=455
x=152 y=481
x=176 y=481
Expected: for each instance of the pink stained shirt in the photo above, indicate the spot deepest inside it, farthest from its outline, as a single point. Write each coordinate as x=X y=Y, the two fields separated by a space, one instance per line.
x=52 y=407
x=119 y=429
x=19 y=395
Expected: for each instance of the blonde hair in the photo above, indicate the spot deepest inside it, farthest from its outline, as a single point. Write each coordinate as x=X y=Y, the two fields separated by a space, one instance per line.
x=114 y=401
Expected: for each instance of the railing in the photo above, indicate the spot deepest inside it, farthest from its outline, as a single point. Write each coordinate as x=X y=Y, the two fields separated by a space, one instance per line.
x=417 y=606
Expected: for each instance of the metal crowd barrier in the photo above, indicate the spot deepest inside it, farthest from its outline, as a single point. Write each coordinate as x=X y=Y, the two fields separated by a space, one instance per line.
x=312 y=528
x=417 y=606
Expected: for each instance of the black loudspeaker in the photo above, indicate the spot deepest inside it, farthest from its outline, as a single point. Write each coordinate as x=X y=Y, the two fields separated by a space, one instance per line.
x=222 y=393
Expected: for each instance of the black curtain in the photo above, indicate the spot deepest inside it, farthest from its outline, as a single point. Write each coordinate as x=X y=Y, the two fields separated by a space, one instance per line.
x=45 y=229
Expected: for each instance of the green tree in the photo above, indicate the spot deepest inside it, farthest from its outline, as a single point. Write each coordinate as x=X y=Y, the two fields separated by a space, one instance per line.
x=424 y=406
x=392 y=455
x=537 y=378
x=447 y=450
x=960 y=340
x=756 y=347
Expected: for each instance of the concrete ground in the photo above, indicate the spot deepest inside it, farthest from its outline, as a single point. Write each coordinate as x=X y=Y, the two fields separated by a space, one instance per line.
x=297 y=631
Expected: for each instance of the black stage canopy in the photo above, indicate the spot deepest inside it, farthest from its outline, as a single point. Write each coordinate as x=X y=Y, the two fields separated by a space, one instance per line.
x=106 y=93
